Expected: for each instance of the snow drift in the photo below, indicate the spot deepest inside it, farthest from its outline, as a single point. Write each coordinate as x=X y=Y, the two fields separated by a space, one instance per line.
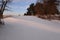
x=29 y=28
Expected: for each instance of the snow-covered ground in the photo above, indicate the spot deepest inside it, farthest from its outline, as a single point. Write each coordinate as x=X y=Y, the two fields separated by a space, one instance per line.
x=29 y=28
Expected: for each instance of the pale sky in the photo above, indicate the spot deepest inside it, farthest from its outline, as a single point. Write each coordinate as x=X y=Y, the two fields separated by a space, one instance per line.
x=19 y=6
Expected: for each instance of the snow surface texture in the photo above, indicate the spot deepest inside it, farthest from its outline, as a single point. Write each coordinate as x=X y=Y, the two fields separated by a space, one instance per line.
x=29 y=28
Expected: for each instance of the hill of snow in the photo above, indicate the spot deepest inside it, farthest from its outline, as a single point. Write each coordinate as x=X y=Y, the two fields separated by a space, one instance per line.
x=29 y=28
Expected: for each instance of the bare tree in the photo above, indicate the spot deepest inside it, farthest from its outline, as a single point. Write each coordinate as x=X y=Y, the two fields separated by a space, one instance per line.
x=50 y=7
x=3 y=5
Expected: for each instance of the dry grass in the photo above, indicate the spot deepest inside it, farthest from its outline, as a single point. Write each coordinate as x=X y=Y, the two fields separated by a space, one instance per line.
x=51 y=17
x=6 y=16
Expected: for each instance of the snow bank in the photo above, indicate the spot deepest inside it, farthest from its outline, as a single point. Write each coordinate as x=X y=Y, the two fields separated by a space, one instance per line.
x=29 y=28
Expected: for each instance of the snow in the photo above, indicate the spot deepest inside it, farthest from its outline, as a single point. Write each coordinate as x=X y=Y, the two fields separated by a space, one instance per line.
x=29 y=28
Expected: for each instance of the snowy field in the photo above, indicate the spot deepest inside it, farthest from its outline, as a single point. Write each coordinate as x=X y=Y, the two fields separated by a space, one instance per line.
x=29 y=28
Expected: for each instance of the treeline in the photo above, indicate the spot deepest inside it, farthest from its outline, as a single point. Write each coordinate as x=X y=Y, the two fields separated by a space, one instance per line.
x=47 y=9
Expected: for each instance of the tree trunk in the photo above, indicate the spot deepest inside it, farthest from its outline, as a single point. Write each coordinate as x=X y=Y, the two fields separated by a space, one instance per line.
x=1 y=17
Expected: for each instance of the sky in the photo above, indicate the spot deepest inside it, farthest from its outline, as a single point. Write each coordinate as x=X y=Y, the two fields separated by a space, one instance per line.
x=19 y=6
